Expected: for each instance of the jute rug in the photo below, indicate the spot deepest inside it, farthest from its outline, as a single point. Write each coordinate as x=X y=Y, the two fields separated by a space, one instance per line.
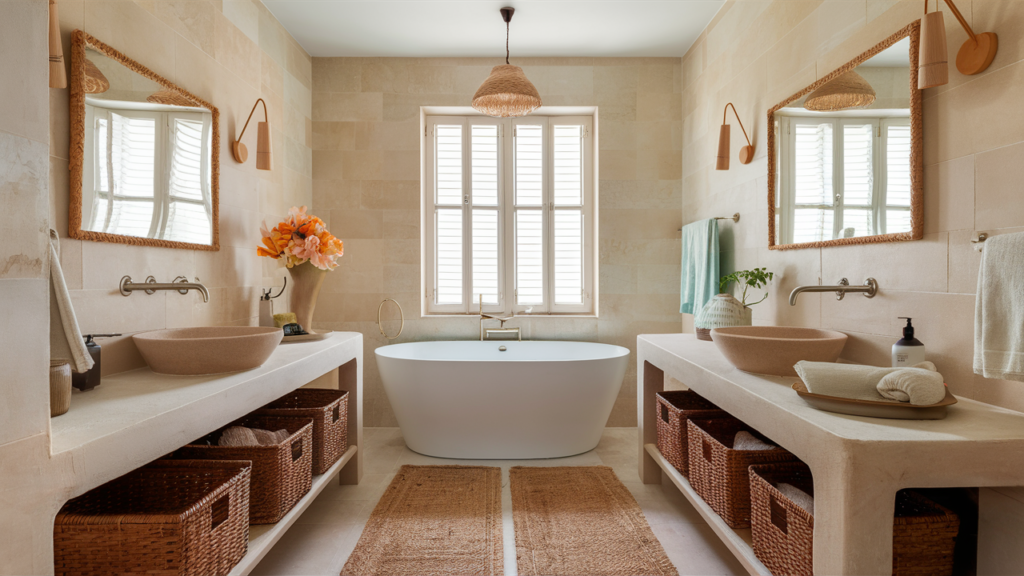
x=434 y=521
x=581 y=521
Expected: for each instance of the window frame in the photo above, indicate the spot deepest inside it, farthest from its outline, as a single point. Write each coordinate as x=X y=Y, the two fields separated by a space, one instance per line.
x=507 y=209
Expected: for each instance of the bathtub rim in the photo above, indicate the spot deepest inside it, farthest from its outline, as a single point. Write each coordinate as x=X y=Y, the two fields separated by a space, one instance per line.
x=619 y=352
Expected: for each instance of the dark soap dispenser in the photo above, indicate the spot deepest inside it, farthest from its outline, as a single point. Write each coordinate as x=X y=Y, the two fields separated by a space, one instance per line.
x=91 y=378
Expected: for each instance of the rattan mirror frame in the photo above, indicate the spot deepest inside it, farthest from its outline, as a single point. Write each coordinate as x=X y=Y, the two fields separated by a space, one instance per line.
x=912 y=31
x=79 y=42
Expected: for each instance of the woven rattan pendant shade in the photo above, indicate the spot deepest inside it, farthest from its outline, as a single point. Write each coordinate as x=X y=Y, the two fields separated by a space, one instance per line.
x=850 y=90
x=506 y=93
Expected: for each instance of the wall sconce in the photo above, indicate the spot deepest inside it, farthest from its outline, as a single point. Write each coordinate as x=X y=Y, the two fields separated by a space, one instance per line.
x=58 y=75
x=239 y=151
x=746 y=152
x=974 y=56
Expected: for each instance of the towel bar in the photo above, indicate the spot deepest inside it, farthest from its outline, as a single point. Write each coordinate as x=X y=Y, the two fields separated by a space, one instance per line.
x=735 y=218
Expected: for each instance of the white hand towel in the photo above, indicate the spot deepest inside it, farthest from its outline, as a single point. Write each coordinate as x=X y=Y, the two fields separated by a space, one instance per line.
x=918 y=386
x=66 y=343
x=797 y=496
x=746 y=441
x=999 y=309
x=843 y=380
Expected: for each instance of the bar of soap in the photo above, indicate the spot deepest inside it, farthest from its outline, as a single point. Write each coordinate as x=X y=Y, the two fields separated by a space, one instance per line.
x=285 y=318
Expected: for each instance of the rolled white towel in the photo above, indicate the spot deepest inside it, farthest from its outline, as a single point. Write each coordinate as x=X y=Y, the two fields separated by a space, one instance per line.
x=849 y=380
x=746 y=441
x=797 y=496
x=919 y=386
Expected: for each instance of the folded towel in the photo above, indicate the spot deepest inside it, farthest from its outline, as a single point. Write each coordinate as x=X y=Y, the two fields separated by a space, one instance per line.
x=919 y=386
x=66 y=342
x=746 y=441
x=853 y=380
x=699 y=282
x=242 y=436
x=797 y=496
x=999 y=309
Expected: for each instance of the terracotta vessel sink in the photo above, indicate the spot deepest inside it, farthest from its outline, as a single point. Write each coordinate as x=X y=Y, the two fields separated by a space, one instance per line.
x=207 y=350
x=775 y=349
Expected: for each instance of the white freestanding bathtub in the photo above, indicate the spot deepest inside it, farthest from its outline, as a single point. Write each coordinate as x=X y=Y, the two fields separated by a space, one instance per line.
x=502 y=399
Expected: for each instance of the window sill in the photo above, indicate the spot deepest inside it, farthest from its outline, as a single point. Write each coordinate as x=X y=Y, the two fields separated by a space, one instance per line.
x=475 y=316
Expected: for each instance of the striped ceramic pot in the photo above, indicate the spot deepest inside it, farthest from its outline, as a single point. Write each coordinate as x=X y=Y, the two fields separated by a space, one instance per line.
x=721 y=311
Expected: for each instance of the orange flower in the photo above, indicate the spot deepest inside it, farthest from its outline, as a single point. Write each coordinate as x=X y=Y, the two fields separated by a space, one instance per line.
x=301 y=238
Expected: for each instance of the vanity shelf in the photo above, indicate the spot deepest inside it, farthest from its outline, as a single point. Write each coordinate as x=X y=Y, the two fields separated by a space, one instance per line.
x=263 y=537
x=737 y=541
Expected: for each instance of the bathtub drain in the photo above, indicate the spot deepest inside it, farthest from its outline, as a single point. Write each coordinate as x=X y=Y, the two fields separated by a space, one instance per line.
x=502 y=348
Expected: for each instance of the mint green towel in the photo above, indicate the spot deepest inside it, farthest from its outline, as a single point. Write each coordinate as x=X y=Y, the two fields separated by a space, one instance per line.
x=699 y=281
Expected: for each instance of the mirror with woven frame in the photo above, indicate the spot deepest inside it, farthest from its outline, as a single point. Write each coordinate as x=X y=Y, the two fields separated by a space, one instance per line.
x=144 y=154
x=845 y=154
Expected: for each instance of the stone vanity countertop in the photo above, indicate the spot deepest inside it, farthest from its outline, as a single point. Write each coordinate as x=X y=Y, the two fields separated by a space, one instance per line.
x=769 y=404
x=135 y=417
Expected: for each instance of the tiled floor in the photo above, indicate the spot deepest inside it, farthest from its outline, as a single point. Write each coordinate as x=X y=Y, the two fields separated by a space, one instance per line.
x=323 y=537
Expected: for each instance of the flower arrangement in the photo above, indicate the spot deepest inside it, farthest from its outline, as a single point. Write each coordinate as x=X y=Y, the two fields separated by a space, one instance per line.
x=301 y=238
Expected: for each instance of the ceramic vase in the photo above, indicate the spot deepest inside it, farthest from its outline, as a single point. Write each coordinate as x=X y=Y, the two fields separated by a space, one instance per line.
x=60 y=387
x=305 y=288
x=721 y=311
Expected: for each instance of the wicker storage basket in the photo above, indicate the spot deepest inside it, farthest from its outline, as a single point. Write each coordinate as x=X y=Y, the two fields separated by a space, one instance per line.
x=674 y=409
x=782 y=531
x=924 y=533
x=329 y=411
x=719 y=474
x=185 y=517
x=281 y=473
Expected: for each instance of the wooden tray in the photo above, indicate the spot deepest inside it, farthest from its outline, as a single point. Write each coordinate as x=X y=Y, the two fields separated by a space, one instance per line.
x=307 y=337
x=892 y=410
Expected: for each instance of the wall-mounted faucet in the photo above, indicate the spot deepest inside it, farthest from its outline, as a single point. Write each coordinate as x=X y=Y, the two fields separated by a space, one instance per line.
x=869 y=289
x=485 y=334
x=180 y=284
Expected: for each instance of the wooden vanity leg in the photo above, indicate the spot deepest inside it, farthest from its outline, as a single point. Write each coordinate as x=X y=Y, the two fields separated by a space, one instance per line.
x=651 y=381
x=853 y=519
x=350 y=378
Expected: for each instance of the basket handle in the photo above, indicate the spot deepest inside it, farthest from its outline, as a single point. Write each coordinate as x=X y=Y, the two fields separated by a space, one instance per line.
x=706 y=449
x=664 y=412
x=778 y=514
x=219 y=511
x=336 y=414
x=296 y=449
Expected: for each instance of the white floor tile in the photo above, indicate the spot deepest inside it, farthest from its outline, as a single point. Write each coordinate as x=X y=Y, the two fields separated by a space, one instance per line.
x=322 y=539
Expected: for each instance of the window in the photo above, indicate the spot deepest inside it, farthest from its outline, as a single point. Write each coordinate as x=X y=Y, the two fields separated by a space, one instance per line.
x=148 y=174
x=510 y=215
x=848 y=177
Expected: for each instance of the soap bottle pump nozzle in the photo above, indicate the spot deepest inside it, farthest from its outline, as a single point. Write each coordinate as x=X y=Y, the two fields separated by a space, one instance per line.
x=908 y=330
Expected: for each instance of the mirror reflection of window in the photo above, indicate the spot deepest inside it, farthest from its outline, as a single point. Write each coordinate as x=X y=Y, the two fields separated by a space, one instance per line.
x=148 y=171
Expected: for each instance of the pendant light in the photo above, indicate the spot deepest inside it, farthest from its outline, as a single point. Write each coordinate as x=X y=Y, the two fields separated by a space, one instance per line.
x=506 y=93
x=973 y=58
x=850 y=90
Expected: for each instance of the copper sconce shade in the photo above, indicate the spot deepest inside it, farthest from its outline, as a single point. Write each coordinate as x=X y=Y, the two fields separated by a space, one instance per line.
x=241 y=153
x=850 y=90
x=975 y=55
x=506 y=93
x=724 y=140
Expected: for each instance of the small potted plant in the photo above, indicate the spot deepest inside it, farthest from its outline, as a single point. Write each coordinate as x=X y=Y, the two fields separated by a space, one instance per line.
x=725 y=310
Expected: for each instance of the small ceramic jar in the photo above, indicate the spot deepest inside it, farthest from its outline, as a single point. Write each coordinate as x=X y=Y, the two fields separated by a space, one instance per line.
x=721 y=311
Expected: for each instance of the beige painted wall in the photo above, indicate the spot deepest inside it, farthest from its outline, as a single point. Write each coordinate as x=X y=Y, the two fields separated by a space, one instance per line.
x=229 y=52
x=757 y=53
x=366 y=169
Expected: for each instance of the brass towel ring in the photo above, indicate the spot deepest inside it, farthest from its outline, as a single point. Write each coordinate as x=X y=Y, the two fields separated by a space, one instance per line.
x=381 y=326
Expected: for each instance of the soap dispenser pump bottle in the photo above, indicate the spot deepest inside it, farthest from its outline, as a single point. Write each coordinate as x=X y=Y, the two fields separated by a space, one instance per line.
x=908 y=351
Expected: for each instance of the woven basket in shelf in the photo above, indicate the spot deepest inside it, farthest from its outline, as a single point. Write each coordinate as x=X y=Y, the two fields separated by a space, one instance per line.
x=281 y=473
x=184 y=517
x=924 y=533
x=674 y=409
x=782 y=531
x=329 y=411
x=719 y=474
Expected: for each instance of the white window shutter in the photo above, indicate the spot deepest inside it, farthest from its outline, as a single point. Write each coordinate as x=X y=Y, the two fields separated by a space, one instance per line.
x=813 y=188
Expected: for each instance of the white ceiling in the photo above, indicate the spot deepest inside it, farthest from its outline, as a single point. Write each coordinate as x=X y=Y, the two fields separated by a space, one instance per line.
x=431 y=28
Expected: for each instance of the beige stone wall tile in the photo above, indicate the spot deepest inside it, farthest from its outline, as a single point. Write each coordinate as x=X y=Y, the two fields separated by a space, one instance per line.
x=26 y=405
x=998 y=201
x=341 y=107
x=919 y=266
x=347 y=224
x=24 y=195
x=131 y=29
x=404 y=136
x=272 y=76
x=618 y=165
x=334 y=135
x=391 y=195
x=336 y=75
x=193 y=20
x=402 y=224
x=949 y=195
x=244 y=15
